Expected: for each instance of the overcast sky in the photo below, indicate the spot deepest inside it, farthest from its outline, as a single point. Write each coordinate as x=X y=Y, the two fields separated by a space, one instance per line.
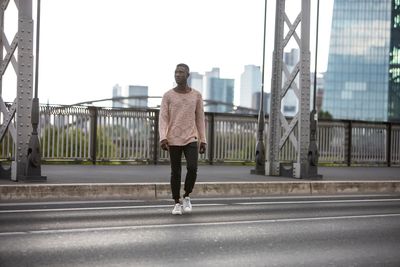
x=88 y=46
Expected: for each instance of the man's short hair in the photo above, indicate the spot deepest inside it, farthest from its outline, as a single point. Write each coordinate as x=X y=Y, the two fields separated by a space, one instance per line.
x=184 y=65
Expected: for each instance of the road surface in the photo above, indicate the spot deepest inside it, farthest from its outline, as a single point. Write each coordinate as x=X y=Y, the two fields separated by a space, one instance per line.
x=275 y=231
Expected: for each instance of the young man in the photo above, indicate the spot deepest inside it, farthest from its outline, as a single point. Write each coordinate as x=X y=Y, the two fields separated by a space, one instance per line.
x=182 y=128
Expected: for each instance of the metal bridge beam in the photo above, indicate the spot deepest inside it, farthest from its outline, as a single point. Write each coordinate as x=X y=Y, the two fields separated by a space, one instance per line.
x=23 y=44
x=280 y=130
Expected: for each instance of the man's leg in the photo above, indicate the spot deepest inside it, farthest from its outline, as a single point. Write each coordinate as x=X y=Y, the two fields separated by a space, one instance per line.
x=175 y=155
x=192 y=156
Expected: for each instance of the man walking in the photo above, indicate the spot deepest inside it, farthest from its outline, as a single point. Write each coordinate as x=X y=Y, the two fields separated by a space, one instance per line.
x=182 y=128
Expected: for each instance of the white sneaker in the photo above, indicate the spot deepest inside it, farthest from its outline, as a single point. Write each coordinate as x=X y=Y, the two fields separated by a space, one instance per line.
x=177 y=209
x=187 y=206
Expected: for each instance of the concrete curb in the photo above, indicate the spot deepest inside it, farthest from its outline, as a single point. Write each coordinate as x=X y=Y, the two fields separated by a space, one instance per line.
x=112 y=191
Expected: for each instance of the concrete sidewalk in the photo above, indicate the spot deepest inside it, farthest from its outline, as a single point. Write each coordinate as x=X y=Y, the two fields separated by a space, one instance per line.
x=78 y=182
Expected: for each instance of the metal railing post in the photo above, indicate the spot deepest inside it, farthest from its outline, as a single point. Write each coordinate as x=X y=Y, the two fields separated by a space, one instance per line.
x=211 y=134
x=156 y=137
x=349 y=144
x=93 y=133
x=389 y=144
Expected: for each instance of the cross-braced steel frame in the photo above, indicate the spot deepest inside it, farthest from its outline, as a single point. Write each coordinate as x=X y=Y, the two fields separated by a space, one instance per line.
x=19 y=52
x=297 y=129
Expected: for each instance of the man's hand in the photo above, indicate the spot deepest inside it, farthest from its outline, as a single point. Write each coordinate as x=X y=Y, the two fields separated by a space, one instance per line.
x=202 y=149
x=164 y=144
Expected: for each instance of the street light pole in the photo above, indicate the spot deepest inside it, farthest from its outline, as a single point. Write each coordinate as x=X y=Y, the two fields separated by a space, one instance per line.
x=313 y=154
x=33 y=168
x=316 y=61
x=260 y=146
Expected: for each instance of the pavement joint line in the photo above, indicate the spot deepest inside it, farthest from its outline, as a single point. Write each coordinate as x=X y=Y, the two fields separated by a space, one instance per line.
x=205 y=224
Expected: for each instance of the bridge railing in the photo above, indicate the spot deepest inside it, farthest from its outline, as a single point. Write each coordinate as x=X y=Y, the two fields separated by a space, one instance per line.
x=93 y=134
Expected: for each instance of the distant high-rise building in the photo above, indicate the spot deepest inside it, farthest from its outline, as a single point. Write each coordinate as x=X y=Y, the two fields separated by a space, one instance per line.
x=394 y=64
x=362 y=81
x=250 y=83
x=214 y=73
x=222 y=92
x=219 y=94
x=320 y=91
x=256 y=102
x=117 y=92
x=291 y=58
x=141 y=92
x=290 y=103
x=196 y=81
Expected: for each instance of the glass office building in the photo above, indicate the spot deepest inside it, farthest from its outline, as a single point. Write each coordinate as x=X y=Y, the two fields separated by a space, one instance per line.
x=363 y=62
x=221 y=95
x=394 y=64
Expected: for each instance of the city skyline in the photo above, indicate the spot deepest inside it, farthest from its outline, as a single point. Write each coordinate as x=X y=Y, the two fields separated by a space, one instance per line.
x=82 y=58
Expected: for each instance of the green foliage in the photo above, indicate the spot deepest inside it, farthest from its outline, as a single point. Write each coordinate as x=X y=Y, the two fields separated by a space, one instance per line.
x=107 y=140
x=324 y=115
x=6 y=147
x=61 y=142
x=75 y=142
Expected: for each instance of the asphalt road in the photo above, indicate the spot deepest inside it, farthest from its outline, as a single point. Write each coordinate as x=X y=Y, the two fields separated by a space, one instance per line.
x=279 y=231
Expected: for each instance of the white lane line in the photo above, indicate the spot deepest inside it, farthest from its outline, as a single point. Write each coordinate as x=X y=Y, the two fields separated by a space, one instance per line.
x=358 y=196
x=318 y=201
x=100 y=208
x=161 y=226
x=12 y=204
x=42 y=203
x=298 y=202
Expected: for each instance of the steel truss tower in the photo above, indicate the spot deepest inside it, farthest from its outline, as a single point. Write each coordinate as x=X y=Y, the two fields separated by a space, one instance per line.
x=297 y=130
x=17 y=118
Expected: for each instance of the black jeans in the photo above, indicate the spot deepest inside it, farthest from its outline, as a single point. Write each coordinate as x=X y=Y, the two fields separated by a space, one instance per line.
x=191 y=155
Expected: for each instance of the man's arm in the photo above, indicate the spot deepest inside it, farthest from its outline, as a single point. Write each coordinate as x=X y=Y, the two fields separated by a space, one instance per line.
x=163 y=122
x=200 y=124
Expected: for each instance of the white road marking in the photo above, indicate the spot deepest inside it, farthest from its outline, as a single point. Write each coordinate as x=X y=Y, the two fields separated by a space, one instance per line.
x=48 y=203
x=69 y=202
x=101 y=208
x=205 y=224
x=293 y=197
x=319 y=201
x=251 y=203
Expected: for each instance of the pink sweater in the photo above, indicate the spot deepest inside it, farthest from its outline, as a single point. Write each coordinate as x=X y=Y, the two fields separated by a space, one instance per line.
x=182 y=118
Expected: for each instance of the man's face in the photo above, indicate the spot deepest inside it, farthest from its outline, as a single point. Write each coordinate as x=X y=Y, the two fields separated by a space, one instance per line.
x=181 y=75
